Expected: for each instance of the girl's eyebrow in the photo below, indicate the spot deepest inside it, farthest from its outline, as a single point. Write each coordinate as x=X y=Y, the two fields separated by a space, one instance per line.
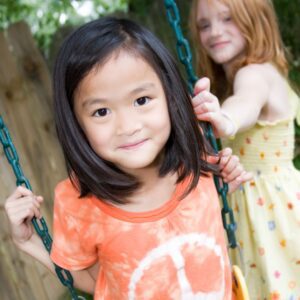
x=139 y=89
x=142 y=87
x=90 y=102
x=201 y=20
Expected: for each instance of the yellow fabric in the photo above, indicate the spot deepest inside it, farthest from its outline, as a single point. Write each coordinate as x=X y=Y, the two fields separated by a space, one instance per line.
x=267 y=209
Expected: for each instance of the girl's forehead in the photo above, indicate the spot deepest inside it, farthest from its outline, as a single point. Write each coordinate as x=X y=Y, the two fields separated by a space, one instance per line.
x=121 y=69
x=121 y=55
x=212 y=7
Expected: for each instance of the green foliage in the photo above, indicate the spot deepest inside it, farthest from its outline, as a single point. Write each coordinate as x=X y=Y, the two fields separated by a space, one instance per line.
x=140 y=7
x=46 y=16
x=289 y=22
x=296 y=162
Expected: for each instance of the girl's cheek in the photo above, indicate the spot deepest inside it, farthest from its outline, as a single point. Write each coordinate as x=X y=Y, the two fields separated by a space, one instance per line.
x=203 y=39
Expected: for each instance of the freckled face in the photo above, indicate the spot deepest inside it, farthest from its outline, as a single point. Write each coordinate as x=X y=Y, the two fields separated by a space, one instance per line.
x=122 y=109
x=219 y=35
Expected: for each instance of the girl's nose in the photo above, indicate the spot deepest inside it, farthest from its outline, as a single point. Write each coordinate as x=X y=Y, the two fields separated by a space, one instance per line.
x=216 y=28
x=127 y=123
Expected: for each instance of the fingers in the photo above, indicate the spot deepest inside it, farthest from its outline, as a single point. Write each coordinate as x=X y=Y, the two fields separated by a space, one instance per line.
x=22 y=205
x=201 y=85
x=225 y=153
x=28 y=208
x=20 y=191
x=213 y=159
x=235 y=184
x=232 y=170
x=245 y=176
x=224 y=157
x=205 y=104
x=230 y=166
x=221 y=158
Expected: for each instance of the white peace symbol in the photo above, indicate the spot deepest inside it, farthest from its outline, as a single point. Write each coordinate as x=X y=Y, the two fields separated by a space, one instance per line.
x=172 y=248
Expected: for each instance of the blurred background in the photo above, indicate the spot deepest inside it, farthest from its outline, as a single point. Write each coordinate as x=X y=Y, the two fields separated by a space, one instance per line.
x=31 y=32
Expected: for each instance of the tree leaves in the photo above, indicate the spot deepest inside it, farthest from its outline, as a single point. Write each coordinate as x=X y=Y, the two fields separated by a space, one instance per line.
x=45 y=17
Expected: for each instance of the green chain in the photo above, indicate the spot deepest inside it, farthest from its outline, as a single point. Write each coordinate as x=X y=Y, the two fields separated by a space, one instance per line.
x=40 y=226
x=185 y=57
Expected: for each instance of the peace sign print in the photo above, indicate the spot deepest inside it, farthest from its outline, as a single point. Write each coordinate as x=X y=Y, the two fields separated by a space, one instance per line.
x=191 y=265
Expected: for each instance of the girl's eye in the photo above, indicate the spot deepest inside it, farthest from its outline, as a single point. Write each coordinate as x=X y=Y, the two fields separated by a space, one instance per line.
x=227 y=19
x=203 y=26
x=102 y=112
x=141 y=101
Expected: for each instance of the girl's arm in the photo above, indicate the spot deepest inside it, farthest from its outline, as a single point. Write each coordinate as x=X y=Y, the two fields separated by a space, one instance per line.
x=20 y=208
x=239 y=111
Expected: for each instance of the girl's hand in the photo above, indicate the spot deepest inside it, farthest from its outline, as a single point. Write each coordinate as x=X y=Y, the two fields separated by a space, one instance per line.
x=231 y=170
x=20 y=208
x=207 y=108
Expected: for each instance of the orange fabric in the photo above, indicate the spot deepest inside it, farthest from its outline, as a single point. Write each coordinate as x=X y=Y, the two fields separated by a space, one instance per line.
x=177 y=251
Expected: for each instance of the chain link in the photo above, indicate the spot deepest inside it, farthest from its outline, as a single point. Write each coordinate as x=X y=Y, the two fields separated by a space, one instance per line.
x=40 y=225
x=185 y=57
x=182 y=45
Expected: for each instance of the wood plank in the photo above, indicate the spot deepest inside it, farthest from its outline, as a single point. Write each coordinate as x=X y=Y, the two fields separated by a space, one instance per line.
x=25 y=107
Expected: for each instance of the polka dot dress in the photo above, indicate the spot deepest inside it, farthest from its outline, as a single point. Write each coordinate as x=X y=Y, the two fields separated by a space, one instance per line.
x=267 y=210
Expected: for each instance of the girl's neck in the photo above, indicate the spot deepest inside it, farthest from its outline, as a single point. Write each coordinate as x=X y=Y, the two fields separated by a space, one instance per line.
x=153 y=193
x=228 y=69
x=229 y=66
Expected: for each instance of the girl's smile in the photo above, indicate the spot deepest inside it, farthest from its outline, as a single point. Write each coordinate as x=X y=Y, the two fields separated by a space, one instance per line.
x=133 y=145
x=219 y=44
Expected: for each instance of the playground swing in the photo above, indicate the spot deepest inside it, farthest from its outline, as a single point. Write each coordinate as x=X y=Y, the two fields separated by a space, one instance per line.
x=40 y=226
x=239 y=288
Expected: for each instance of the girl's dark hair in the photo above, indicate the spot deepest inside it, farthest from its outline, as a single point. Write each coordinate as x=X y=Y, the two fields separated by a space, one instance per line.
x=91 y=46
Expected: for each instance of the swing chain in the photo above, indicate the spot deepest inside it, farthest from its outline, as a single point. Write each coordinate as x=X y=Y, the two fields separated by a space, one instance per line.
x=185 y=57
x=182 y=45
x=40 y=225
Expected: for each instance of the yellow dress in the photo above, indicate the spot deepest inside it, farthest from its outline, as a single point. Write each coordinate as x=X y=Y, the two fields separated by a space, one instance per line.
x=267 y=210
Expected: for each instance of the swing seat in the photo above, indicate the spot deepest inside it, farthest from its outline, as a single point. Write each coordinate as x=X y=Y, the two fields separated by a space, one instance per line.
x=239 y=288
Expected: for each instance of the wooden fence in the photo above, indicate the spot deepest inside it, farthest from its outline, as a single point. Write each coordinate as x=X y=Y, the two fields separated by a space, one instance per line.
x=25 y=105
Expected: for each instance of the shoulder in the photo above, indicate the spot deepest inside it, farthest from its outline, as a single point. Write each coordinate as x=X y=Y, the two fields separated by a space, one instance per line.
x=206 y=190
x=208 y=182
x=67 y=201
x=67 y=198
x=254 y=80
x=264 y=73
x=66 y=188
x=257 y=73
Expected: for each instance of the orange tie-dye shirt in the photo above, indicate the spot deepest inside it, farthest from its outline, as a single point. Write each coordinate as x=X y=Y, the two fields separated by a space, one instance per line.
x=177 y=251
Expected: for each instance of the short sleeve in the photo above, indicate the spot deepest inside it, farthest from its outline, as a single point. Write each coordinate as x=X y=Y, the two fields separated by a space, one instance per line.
x=71 y=249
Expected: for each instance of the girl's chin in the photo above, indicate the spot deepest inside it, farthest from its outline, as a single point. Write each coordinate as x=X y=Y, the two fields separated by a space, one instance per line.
x=221 y=59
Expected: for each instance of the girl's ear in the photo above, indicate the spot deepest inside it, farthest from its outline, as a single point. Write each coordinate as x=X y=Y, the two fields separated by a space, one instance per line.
x=201 y=85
